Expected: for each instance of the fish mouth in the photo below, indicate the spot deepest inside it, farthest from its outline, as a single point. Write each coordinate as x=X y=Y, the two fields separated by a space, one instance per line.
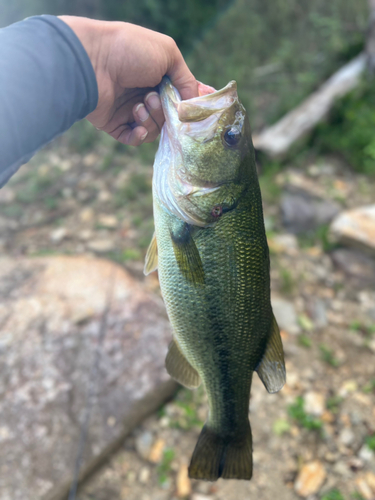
x=198 y=108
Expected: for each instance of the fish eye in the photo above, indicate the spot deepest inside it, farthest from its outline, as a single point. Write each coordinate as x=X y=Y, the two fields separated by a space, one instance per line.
x=232 y=136
x=217 y=211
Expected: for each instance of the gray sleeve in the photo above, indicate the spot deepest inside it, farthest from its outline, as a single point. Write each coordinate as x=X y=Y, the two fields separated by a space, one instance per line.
x=47 y=83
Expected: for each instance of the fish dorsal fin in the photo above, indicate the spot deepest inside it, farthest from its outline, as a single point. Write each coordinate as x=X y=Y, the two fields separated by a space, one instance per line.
x=187 y=255
x=151 y=261
x=179 y=367
x=271 y=369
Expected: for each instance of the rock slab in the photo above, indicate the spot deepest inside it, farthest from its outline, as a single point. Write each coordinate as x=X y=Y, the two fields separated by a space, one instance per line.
x=302 y=212
x=50 y=316
x=356 y=228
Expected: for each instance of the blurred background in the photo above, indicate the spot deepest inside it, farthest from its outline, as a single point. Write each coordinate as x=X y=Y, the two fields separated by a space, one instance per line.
x=86 y=196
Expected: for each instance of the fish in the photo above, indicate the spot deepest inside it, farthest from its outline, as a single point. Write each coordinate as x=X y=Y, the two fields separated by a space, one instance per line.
x=211 y=253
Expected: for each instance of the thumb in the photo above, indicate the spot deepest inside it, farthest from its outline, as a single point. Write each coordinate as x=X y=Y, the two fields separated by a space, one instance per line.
x=181 y=76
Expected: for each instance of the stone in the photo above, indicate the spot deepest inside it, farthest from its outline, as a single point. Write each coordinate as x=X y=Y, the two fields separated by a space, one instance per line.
x=310 y=479
x=86 y=215
x=47 y=368
x=101 y=246
x=285 y=315
x=144 y=475
x=6 y=195
x=366 y=485
x=346 y=436
x=284 y=243
x=314 y=403
x=108 y=221
x=356 y=228
x=57 y=235
x=302 y=212
x=104 y=195
x=358 y=267
x=183 y=482
x=199 y=496
x=347 y=387
x=8 y=224
x=366 y=454
x=156 y=452
x=143 y=444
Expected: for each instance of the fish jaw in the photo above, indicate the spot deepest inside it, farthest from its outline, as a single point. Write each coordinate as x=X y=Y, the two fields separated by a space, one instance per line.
x=190 y=125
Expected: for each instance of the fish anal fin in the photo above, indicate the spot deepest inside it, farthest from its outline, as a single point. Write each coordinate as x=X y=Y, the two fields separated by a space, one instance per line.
x=271 y=369
x=216 y=456
x=180 y=369
x=187 y=255
x=151 y=261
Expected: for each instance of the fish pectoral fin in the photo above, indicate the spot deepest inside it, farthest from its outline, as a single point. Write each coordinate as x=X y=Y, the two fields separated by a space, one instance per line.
x=187 y=255
x=179 y=367
x=151 y=261
x=271 y=369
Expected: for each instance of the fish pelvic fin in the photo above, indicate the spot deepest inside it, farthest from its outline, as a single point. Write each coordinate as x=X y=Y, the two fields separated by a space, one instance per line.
x=271 y=369
x=179 y=367
x=151 y=261
x=217 y=456
x=187 y=255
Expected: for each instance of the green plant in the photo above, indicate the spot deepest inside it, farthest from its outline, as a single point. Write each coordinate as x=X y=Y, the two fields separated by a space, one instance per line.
x=287 y=283
x=297 y=412
x=333 y=403
x=188 y=402
x=334 y=494
x=164 y=468
x=349 y=130
x=370 y=441
x=280 y=426
x=357 y=496
x=328 y=356
x=304 y=341
x=369 y=387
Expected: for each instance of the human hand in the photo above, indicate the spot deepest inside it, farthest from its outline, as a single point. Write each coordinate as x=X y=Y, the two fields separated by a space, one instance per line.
x=129 y=62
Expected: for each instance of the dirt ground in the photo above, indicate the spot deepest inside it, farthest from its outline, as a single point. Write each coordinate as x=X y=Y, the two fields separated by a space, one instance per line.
x=315 y=438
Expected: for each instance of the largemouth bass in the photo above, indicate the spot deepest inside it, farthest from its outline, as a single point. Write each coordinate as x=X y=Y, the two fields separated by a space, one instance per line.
x=211 y=252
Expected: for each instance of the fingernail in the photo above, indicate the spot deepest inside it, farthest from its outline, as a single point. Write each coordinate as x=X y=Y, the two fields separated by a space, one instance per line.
x=143 y=137
x=153 y=100
x=142 y=112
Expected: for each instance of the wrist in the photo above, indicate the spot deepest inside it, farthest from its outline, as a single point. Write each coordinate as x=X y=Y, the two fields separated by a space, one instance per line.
x=93 y=36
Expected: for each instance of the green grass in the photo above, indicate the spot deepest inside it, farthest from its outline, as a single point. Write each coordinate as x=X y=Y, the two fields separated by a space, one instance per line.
x=328 y=356
x=287 y=283
x=35 y=186
x=281 y=426
x=333 y=404
x=369 y=387
x=271 y=191
x=304 y=341
x=370 y=441
x=319 y=236
x=297 y=412
x=164 y=468
x=357 y=496
x=348 y=133
x=367 y=330
x=334 y=494
x=189 y=402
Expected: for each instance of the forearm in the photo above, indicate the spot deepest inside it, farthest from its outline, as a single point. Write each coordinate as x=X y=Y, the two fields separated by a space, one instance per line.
x=47 y=83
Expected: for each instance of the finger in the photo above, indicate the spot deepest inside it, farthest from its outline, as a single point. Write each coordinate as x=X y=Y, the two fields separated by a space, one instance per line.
x=130 y=136
x=181 y=76
x=143 y=118
x=153 y=105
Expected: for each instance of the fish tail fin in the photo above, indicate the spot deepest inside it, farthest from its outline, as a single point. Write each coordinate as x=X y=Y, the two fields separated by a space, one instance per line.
x=216 y=456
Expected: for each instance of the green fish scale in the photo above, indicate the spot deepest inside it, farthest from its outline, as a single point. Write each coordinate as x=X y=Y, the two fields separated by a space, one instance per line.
x=222 y=326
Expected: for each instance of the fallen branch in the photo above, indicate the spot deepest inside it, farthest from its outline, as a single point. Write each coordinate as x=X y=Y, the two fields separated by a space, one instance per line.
x=276 y=140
